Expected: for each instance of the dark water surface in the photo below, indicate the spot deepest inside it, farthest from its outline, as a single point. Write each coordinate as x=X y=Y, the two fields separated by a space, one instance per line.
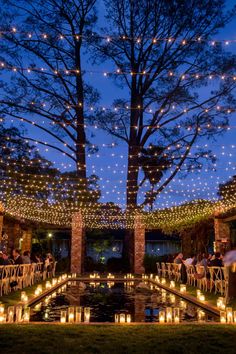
x=106 y=299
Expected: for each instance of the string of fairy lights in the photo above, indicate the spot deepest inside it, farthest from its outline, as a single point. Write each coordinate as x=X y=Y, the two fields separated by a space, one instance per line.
x=54 y=200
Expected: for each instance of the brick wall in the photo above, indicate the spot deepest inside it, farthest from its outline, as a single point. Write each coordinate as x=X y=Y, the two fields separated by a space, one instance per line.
x=77 y=243
x=139 y=245
x=26 y=240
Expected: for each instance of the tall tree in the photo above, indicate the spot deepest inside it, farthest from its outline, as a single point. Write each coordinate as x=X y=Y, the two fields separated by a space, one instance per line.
x=164 y=55
x=46 y=87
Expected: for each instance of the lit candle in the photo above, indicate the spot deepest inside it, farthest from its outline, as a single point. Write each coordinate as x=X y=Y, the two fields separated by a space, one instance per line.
x=182 y=288
x=2 y=308
x=78 y=314
x=183 y=304
x=128 y=318
x=202 y=297
x=163 y=281
x=54 y=281
x=71 y=314
x=229 y=314
x=63 y=316
x=176 y=314
x=48 y=285
x=151 y=276
x=172 y=298
x=22 y=296
x=116 y=318
x=157 y=278
x=10 y=314
x=3 y=317
x=26 y=316
x=18 y=313
x=40 y=288
x=222 y=316
x=172 y=284
x=161 y=316
x=200 y=315
x=122 y=317
x=87 y=314
x=169 y=314
x=198 y=293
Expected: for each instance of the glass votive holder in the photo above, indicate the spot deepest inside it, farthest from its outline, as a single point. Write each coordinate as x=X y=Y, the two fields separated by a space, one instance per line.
x=122 y=318
x=10 y=314
x=162 y=316
x=198 y=293
x=234 y=316
x=48 y=285
x=18 y=313
x=176 y=315
x=172 y=298
x=78 y=314
x=201 y=316
x=63 y=316
x=22 y=296
x=2 y=308
x=128 y=318
x=222 y=316
x=40 y=288
x=87 y=314
x=183 y=304
x=182 y=288
x=169 y=314
x=71 y=314
x=116 y=317
x=54 y=281
x=202 y=297
x=229 y=314
x=172 y=284
x=26 y=315
x=163 y=281
x=3 y=318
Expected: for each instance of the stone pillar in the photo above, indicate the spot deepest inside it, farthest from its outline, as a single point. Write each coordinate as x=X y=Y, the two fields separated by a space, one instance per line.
x=77 y=243
x=139 y=245
x=26 y=240
x=222 y=235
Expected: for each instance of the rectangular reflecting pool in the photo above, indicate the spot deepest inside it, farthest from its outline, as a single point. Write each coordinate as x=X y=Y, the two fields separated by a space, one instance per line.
x=142 y=300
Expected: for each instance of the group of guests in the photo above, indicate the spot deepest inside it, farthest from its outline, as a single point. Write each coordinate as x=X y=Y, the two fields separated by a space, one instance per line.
x=16 y=258
x=206 y=260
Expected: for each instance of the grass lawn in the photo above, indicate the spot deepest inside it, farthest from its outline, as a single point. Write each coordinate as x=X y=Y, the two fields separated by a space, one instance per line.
x=117 y=339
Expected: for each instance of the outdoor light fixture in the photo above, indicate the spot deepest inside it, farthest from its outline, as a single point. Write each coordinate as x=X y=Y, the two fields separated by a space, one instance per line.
x=49 y=235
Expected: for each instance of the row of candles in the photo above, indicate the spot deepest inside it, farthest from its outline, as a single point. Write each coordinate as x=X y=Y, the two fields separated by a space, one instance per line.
x=122 y=318
x=228 y=316
x=19 y=314
x=74 y=314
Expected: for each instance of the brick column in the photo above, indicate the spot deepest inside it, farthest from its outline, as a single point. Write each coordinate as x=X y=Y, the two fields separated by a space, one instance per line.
x=139 y=245
x=26 y=240
x=222 y=234
x=77 y=243
x=1 y=220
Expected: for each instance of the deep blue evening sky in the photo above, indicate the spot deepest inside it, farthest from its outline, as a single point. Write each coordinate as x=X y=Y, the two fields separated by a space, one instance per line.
x=110 y=163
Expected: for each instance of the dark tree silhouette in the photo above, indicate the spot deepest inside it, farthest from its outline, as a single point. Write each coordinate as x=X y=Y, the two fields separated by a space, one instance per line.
x=164 y=56
x=48 y=88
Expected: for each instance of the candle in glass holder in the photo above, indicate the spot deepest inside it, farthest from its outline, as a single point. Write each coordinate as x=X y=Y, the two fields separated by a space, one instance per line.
x=128 y=318
x=10 y=314
x=18 y=313
x=54 y=281
x=182 y=288
x=198 y=293
x=169 y=314
x=157 y=278
x=183 y=304
x=2 y=308
x=63 y=316
x=78 y=314
x=87 y=314
x=172 y=298
x=22 y=296
x=222 y=316
x=176 y=315
x=172 y=284
x=201 y=315
x=3 y=317
x=151 y=276
x=26 y=315
x=40 y=288
x=202 y=297
x=71 y=314
x=116 y=318
x=161 y=316
x=48 y=285
x=163 y=281
x=229 y=314
x=122 y=317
